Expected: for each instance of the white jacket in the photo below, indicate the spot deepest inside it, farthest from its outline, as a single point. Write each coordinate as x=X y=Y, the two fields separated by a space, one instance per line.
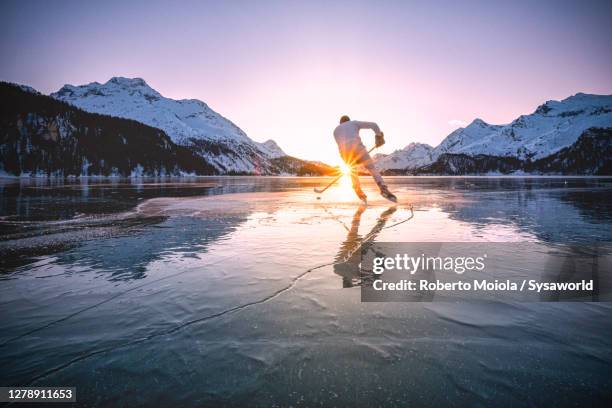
x=347 y=134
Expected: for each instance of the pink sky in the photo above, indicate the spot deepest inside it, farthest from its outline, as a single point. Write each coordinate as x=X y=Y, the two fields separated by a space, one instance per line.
x=288 y=70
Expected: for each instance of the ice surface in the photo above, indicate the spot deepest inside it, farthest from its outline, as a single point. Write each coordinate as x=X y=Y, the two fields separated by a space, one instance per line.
x=206 y=299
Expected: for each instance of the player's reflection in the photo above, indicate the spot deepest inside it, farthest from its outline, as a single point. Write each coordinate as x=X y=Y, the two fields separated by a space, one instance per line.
x=349 y=255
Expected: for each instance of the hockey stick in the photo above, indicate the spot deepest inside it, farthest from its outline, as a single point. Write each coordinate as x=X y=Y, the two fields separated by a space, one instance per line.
x=331 y=183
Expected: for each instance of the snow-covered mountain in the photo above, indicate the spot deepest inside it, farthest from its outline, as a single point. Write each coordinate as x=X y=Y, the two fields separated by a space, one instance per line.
x=553 y=126
x=412 y=156
x=272 y=149
x=188 y=122
x=26 y=88
x=590 y=155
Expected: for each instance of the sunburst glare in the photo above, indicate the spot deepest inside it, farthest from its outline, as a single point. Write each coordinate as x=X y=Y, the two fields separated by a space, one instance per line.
x=345 y=192
x=345 y=169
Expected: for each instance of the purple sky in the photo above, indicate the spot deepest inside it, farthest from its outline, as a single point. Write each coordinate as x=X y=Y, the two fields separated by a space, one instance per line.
x=287 y=70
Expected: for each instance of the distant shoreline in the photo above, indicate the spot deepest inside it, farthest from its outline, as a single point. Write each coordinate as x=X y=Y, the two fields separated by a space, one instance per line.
x=509 y=176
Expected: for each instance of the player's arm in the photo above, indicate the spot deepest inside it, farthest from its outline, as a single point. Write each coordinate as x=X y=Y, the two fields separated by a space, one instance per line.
x=368 y=125
x=380 y=139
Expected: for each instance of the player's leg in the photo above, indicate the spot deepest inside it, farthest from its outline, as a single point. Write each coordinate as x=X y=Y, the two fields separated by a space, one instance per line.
x=368 y=163
x=357 y=185
x=351 y=156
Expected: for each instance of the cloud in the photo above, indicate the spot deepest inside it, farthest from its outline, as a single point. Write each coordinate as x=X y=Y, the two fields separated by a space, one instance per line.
x=457 y=122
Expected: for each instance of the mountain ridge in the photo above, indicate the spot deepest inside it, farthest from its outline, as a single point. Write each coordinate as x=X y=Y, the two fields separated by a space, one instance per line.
x=581 y=121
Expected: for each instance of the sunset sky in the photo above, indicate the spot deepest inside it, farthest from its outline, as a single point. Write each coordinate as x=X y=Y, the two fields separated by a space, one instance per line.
x=288 y=70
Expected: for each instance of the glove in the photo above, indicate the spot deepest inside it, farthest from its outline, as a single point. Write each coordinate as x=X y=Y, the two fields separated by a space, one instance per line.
x=380 y=139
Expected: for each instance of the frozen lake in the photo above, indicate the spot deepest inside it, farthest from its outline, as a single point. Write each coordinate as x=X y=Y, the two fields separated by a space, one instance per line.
x=227 y=292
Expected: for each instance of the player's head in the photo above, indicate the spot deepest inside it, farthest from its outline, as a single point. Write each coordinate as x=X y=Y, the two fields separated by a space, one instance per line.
x=344 y=118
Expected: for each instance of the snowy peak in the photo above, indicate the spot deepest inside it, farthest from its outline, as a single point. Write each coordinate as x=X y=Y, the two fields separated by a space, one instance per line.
x=412 y=156
x=416 y=146
x=477 y=123
x=575 y=105
x=463 y=138
x=133 y=84
x=24 y=88
x=129 y=82
x=272 y=149
x=112 y=88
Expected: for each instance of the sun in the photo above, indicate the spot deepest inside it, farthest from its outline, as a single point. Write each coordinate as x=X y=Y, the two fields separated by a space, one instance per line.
x=345 y=169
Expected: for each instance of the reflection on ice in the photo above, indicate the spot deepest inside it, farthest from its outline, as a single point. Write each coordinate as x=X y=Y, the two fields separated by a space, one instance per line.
x=349 y=255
